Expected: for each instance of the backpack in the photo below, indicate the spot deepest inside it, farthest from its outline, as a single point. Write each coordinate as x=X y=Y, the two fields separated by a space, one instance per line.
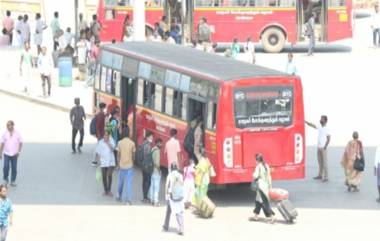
x=93 y=126
x=144 y=157
x=188 y=142
x=177 y=193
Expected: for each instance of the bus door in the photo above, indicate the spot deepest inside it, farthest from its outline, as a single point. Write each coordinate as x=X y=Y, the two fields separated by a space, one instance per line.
x=305 y=9
x=128 y=93
x=182 y=12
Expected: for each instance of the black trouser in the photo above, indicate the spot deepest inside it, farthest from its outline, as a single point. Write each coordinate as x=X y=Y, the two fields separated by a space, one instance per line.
x=192 y=155
x=107 y=178
x=146 y=183
x=74 y=136
x=10 y=37
x=56 y=44
x=265 y=205
x=46 y=78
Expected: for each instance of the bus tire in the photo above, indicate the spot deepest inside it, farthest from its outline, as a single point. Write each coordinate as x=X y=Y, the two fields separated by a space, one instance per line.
x=273 y=40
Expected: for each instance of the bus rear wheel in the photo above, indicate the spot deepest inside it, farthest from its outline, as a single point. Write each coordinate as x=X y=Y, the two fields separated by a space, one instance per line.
x=273 y=40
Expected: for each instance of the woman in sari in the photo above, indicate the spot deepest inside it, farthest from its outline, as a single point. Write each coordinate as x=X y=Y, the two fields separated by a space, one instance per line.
x=354 y=150
x=263 y=177
x=204 y=170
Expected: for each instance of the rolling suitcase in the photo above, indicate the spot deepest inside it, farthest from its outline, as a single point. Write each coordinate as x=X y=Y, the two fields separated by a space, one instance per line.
x=287 y=210
x=206 y=208
x=278 y=194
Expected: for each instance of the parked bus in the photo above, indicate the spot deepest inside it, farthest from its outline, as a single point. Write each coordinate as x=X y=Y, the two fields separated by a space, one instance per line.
x=245 y=108
x=271 y=22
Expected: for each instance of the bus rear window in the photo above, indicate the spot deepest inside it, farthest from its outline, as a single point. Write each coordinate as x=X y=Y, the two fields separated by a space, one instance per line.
x=263 y=106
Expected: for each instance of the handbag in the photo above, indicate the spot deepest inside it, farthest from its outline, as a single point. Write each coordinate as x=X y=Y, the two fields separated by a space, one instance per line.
x=359 y=164
x=254 y=185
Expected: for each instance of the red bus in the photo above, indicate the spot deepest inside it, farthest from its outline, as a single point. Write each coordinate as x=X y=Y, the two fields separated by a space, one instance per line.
x=271 y=22
x=245 y=108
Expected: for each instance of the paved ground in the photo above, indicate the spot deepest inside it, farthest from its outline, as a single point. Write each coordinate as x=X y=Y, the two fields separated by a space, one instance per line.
x=58 y=198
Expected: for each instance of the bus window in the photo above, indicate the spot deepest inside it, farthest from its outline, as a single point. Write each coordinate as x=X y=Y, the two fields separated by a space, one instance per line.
x=179 y=105
x=149 y=91
x=97 y=77
x=169 y=94
x=140 y=92
x=109 y=81
x=206 y=3
x=153 y=3
x=211 y=116
x=287 y=3
x=116 y=83
x=103 y=79
x=157 y=97
x=110 y=14
x=272 y=106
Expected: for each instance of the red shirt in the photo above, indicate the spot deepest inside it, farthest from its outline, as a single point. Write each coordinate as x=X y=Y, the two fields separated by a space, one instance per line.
x=100 y=122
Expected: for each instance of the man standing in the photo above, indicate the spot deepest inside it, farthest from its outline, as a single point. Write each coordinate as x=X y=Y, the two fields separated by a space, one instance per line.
x=55 y=27
x=6 y=213
x=376 y=27
x=82 y=25
x=125 y=155
x=290 y=66
x=156 y=175
x=204 y=33
x=310 y=33
x=10 y=147
x=9 y=24
x=147 y=163
x=25 y=30
x=95 y=27
x=77 y=118
x=173 y=149
x=104 y=155
x=18 y=31
x=323 y=142
x=40 y=27
x=45 y=66
x=100 y=119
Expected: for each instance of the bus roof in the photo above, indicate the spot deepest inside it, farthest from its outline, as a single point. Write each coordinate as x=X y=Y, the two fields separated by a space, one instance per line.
x=188 y=59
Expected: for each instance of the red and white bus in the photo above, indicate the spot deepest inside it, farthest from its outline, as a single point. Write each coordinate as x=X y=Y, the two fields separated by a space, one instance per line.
x=271 y=22
x=245 y=108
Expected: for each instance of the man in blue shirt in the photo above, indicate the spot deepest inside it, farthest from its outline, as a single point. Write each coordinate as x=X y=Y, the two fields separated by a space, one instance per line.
x=6 y=213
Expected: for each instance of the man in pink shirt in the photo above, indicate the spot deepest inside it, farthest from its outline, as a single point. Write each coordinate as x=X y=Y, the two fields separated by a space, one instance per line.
x=10 y=147
x=173 y=149
x=9 y=25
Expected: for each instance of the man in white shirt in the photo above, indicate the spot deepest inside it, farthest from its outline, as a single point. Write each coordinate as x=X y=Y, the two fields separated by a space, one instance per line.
x=25 y=30
x=290 y=66
x=323 y=142
x=40 y=27
x=45 y=66
x=376 y=27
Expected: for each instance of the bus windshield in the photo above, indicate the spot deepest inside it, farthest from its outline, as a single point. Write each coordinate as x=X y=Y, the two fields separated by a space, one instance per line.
x=263 y=106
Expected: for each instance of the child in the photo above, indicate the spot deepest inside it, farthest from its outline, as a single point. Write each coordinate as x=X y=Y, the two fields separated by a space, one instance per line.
x=189 y=175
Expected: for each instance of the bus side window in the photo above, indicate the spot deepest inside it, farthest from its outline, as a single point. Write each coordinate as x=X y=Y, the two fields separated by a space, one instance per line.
x=287 y=3
x=103 y=79
x=211 y=116
x=116 y=83
x=140 y=92
x=157 y=98
x=337 y=3
x=179 y=105
x=98 y=77
x=169 y=96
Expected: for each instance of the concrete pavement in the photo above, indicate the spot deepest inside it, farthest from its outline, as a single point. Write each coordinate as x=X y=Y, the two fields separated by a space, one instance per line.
x=62 y=98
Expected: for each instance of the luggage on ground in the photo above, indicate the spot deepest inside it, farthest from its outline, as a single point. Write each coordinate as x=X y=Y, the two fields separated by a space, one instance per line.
x=287 y=210
x=206 y=208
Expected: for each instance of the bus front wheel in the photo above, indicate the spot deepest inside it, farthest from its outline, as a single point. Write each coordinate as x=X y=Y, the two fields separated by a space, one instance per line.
x=273 y=40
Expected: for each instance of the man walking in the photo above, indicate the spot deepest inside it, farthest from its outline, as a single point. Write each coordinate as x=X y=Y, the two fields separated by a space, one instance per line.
x=104 y=155
x=310 y=33
x=25 y=30
x=82 y=25
x=156 y=175
x=290 y=66
x=204 y=33
x=77 y=118
x=9 y=24
x=376 y=27
x=10 y=147
x=147 y=165
x=6 y=213
x=323 y=142
x=45 y=66
x=95 y=27
x=173 y=149
x=125 y=155
x=40 y=27
x=55 y=27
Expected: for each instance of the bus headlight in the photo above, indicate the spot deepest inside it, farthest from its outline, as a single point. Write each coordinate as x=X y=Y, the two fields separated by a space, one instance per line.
x=298 y=148
x=228 y=152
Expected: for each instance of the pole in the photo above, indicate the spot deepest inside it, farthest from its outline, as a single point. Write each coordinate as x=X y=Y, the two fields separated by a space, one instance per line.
x=138 y=20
